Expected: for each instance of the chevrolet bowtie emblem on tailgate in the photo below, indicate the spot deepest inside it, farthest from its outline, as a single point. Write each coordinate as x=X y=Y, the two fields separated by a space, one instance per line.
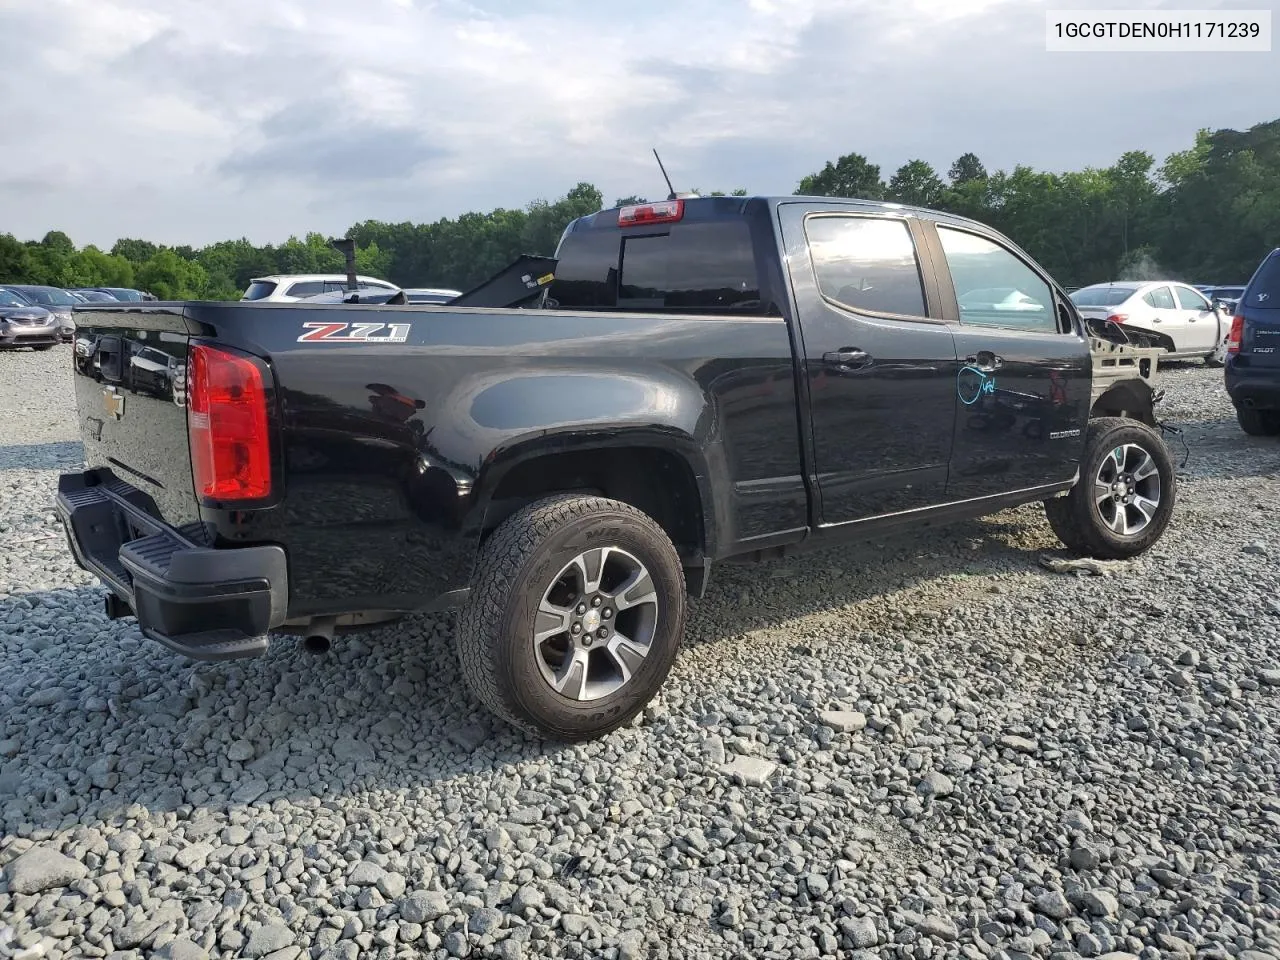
x=113 y=402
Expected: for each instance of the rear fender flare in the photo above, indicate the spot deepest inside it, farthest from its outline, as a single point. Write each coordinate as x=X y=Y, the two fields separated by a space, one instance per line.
x=528 y=447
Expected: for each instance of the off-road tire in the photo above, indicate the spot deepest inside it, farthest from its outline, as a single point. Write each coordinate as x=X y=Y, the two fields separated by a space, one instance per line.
x=1258 y=423
x=1075 y=517
x=516 y=565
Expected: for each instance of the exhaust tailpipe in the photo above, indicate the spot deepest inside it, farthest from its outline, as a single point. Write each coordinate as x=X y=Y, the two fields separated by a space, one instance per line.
x=319 y=636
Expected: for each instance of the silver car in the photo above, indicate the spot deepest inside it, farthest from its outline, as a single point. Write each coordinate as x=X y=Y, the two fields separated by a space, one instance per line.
x=54 y=299
x=1175 y=316
x=24 y=325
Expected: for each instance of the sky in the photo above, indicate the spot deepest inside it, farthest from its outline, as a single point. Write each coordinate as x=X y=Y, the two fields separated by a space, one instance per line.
x=190 y=121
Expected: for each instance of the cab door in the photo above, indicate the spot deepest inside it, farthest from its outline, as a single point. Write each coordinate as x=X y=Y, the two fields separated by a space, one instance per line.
x=877 y=359
x=1023 y=388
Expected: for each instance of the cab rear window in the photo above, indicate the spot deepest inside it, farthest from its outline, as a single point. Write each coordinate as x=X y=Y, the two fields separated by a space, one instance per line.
x=697 y=267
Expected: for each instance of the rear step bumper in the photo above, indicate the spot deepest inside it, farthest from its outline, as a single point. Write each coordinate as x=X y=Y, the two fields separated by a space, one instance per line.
x=1254 y=387
x=204 y=603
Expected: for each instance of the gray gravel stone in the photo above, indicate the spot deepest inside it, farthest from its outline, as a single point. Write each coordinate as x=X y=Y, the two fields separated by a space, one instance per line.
x=182 y=949
x=861 y=932
x=844 y=721
x=1101 y=903
x=752 y=771
x=424 y=906
x=42 y=868
x=935 y=784
x=268 y=939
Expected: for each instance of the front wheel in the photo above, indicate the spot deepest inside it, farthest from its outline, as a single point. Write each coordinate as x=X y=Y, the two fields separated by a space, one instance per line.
x=574 y=618
x=1124 y=499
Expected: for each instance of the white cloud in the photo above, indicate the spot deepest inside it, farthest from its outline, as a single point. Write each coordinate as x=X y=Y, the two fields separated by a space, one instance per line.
x=186 y=121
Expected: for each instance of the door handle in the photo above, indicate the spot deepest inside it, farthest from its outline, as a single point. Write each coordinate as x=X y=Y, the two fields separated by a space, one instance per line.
x=1155 y=319
x=986 y=361
x=847 y=357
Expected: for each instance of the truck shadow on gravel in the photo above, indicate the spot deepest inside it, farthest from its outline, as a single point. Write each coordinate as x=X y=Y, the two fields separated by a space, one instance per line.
x=100 y=719
x=41 y=456
x=743 y=597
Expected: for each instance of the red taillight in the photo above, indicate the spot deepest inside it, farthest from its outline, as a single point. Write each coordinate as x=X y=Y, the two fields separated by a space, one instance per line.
x=227 y=426
x=1236 y=335
x=668 y=211
x=1118 y=318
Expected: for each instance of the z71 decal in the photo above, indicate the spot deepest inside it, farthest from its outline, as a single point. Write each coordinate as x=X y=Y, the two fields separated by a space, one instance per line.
x=355 y=333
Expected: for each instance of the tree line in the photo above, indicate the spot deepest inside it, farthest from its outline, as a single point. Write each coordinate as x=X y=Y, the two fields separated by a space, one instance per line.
x=1206 y=214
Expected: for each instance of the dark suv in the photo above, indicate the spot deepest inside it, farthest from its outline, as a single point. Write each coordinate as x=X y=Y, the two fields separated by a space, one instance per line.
x=1253 y=352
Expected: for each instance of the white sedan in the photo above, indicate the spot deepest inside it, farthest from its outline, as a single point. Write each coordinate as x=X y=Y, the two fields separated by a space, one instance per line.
x=1185 y=323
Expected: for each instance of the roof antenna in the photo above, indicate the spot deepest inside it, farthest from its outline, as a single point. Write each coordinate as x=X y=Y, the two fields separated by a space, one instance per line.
x=672 y=194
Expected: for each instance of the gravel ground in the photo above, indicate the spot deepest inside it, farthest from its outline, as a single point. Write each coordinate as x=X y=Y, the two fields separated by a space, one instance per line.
x=927 y=748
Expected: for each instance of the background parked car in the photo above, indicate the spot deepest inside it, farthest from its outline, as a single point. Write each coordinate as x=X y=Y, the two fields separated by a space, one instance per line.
x=360 y=295
x=127 y=293
x=92 y=295
x=289 y=288
x=431 y=294
x=1253 y=352
x=1175 y=316
x=25 y=325
x=54 y=299
x=1230 y=295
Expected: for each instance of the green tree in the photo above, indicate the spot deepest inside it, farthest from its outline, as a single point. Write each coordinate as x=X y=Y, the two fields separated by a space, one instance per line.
x=100 y=269
x=16 y=264
x=136 y=251
x=916 y=183
x=850 y=176
x=170 y=277
x=59 y=243
x=967 y=168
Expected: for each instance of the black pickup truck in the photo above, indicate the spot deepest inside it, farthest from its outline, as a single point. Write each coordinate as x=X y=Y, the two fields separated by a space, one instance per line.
x=704 y=379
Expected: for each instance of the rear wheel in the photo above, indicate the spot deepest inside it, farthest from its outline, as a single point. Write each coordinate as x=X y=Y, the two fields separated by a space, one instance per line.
x=575 y=617
x=1124 y=499
x=1258 y=423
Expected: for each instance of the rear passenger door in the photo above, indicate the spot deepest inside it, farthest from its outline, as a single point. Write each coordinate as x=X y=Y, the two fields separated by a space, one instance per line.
x=1165 y=316
x=878 y=360
x=1023 y=388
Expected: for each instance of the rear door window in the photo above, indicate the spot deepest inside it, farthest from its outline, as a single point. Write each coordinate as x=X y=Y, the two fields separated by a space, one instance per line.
x=260 y=289
x=307 y=288
x=867 y=264
x=1160 y=298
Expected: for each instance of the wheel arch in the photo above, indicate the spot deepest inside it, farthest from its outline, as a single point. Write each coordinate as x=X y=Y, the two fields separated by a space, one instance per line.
x=659 y=471
x=1129 y=400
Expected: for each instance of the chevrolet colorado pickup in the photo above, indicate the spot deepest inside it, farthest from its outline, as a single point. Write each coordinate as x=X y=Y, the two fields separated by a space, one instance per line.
x=703 y=379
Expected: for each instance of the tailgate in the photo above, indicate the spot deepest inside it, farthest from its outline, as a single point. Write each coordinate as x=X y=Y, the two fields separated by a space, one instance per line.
x=130 y=375
x=1260 y=307
x=1260 y=341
